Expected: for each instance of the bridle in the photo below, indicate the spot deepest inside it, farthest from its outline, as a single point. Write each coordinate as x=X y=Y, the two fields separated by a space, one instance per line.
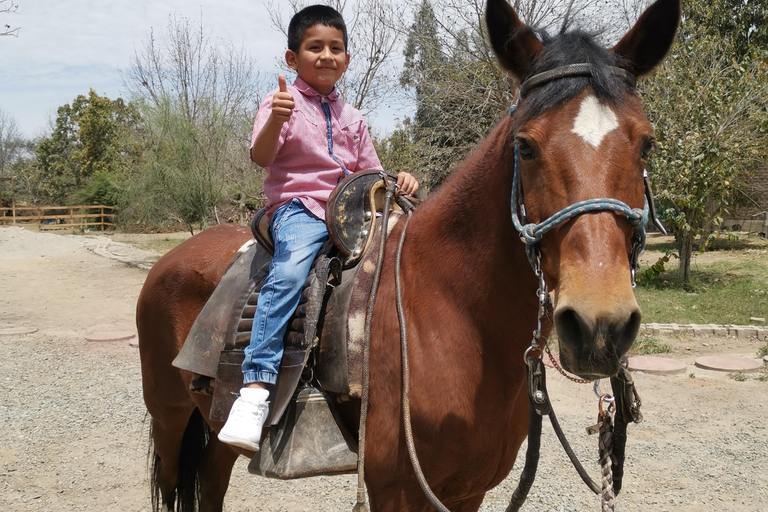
x=624 y=405
x=531 y=233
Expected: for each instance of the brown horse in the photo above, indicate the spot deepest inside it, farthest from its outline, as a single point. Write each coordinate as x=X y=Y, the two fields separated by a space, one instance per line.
x=469 y=291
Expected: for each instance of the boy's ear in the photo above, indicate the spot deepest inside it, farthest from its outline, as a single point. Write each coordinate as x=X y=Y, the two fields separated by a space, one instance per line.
x=292 y=59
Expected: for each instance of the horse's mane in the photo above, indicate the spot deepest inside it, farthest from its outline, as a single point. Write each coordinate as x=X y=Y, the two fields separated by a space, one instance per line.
x=573 y=47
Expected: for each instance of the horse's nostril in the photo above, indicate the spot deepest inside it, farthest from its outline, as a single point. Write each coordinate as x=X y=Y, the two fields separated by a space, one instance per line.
x=571 y=328
x=626 y=335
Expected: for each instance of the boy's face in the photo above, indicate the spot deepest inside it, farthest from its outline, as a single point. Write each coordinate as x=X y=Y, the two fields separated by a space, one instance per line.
x=321 y=59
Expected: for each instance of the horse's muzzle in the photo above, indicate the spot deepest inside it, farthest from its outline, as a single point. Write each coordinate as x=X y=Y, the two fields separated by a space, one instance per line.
x=592 y=346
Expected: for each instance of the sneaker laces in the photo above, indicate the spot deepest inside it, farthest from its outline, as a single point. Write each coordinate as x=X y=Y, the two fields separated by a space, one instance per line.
x=243 y=409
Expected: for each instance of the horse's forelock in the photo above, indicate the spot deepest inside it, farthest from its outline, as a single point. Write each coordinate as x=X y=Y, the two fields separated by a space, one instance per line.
x=573 y=47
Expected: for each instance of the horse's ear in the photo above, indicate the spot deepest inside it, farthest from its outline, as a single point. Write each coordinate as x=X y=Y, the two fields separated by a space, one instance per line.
x=515 y=44
x=645 y=45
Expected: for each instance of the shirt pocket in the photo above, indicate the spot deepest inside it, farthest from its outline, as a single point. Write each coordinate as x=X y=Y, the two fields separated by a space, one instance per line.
x=351 y=138
x=307 y=134
x=306 y=116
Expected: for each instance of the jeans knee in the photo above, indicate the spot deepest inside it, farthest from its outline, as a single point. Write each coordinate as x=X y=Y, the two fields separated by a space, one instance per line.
x=293 y=277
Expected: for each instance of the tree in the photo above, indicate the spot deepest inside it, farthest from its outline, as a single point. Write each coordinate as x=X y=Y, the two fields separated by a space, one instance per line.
x=29 y=183
x=10 y=143
x=743 y=24
x=451 y=71
x=91 y=148
x=6 y=7
x=709 y=104
x=198 y=101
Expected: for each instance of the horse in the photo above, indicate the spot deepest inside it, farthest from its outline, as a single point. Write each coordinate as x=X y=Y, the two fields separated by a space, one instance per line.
x=468 y=289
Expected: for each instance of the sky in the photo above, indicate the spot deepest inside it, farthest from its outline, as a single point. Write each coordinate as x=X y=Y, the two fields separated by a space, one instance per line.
x=63 y=49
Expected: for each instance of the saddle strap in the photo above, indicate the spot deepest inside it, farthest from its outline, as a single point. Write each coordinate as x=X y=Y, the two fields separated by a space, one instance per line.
x=361 y=506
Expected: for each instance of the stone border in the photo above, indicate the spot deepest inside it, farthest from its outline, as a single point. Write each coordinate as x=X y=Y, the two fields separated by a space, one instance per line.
x=732 y=331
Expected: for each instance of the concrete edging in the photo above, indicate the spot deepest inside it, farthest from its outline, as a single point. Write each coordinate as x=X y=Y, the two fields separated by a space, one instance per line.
x=732 y=331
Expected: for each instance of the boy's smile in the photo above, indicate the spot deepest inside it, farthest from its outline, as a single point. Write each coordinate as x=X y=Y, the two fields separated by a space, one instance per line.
x=321 y=59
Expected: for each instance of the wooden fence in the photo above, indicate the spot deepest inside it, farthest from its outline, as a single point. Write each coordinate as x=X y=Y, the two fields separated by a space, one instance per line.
x=59 y=217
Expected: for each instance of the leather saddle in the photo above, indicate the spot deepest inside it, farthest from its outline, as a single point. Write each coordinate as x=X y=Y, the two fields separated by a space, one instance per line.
x=323 y=345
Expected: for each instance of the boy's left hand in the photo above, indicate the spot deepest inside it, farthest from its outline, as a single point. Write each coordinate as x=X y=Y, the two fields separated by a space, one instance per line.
x=407 y=183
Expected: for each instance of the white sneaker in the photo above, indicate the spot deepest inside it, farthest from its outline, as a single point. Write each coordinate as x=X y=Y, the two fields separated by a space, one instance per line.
x=244 y=424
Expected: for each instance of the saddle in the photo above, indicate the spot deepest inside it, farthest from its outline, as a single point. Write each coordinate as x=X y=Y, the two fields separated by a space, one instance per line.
x=322 y=358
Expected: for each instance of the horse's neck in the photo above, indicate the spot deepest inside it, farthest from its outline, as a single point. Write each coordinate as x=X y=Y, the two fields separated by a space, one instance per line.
x=466 y=254
x=467 y=226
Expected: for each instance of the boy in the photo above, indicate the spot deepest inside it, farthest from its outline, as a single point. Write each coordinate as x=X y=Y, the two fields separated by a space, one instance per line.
x=307 y=139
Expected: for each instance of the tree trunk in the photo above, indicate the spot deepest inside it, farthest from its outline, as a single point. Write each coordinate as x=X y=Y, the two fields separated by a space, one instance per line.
x=685 y=245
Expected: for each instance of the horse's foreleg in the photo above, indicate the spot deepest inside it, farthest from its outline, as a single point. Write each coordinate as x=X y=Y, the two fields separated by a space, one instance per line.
x=215 y=470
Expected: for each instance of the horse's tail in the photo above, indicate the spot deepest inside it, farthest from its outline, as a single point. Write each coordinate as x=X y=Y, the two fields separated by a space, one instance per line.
x=193 y=443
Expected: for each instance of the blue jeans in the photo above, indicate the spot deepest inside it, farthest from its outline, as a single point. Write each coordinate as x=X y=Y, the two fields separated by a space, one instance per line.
x=298 y=236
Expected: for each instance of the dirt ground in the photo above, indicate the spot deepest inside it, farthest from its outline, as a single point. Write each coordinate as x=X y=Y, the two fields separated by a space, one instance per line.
x=75 y=428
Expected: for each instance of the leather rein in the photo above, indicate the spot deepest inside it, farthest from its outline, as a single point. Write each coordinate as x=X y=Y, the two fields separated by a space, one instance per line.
x=620 y=408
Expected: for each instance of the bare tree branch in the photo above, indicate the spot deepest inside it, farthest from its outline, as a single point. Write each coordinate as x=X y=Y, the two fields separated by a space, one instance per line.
x=372 y=34
x=5 y=8
x=11 y=142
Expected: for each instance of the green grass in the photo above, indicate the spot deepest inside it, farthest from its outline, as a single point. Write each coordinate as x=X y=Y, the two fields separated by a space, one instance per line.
x=724 y=292
x=648 y=345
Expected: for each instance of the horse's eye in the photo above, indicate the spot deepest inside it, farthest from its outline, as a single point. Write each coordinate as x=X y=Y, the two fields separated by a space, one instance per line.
x=525 y=150
x=648 y=147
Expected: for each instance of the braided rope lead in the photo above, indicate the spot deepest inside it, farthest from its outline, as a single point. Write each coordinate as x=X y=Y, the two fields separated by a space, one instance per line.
x=406 y=382
x=607 y=496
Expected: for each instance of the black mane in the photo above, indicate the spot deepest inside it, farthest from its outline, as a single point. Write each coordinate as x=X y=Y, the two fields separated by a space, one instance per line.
x=574 y=47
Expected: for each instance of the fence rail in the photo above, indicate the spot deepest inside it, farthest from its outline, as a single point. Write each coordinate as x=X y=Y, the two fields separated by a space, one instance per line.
x=49 y=217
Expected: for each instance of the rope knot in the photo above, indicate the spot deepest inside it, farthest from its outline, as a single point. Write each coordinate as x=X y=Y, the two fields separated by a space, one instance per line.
x=636 y=217
x=529 y=234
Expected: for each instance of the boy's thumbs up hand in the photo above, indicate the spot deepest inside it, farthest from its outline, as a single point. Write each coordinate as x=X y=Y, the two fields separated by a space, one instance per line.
x=282 y=102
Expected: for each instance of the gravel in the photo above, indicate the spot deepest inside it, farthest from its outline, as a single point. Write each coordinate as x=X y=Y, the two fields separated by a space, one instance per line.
x=76 y=429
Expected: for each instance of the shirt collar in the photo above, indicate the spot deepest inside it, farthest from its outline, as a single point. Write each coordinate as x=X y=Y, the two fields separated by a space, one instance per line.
x=307 y=90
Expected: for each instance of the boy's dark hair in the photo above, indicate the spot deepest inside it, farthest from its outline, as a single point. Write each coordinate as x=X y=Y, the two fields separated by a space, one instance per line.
x=311 y=16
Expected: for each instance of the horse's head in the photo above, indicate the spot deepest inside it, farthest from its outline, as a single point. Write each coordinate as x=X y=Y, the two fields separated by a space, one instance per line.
x=581 y=134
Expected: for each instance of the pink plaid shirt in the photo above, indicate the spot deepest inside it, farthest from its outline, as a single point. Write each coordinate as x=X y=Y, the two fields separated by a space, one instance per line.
x=309 y=163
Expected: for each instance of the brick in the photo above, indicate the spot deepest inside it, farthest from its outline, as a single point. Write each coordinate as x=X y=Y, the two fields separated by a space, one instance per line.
x=745 y=332
x=667 y=328
x=700 y=329
x=719 y=330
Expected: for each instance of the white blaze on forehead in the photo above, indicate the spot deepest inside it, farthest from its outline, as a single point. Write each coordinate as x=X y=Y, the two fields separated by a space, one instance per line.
x=594 y=121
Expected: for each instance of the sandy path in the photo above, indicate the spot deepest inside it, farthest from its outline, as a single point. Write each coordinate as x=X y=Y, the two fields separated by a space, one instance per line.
x=75 y=436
